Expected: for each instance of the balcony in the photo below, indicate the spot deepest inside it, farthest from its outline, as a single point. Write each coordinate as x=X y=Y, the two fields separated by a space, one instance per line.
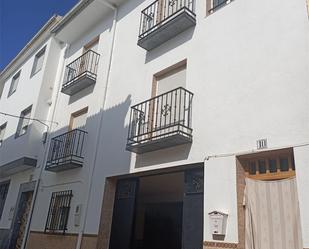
x=16 y=166
x=66 y=151
x=81 y=73
x=161 y=122
x=163 y=20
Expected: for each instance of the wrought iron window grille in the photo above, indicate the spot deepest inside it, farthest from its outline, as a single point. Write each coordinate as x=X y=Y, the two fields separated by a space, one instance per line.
x=58 y=213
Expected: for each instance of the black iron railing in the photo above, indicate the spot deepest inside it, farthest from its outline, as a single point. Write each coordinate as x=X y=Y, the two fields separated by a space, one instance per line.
x=58 y=213
x=162 y=116
x=160 y=12
x=85 y=65
x=66 y=148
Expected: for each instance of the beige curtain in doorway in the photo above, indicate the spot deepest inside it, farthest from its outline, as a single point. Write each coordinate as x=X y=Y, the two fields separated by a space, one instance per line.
x=272 y=215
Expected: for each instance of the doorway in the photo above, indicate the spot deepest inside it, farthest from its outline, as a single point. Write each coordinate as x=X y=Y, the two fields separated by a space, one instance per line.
x=21 y=219
x=159 y=211
x=270 y=202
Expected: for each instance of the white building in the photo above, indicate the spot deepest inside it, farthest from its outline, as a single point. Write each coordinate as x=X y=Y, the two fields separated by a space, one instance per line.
x=26 y=87
x=166 y=110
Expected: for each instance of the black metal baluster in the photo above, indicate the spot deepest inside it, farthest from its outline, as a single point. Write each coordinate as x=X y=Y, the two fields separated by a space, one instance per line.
x=157 y=109
x=184 y=108
x=175 y=107
x=170 y=106
x=179 y=117
x=165 y=110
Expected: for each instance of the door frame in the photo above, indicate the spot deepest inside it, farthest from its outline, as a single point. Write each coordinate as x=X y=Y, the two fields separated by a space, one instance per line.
x=24 y=187
x=110 y=187
x=242 y=174
x=154 y=88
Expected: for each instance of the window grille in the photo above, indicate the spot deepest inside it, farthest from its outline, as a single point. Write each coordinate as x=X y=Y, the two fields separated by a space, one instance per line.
x=58 y=213
x=4 y=187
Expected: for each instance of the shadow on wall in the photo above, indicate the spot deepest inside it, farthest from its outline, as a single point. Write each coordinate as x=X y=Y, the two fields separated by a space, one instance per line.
x=4 y=238
x=175 y=42
x=114 y=157
x=112 y=140
x=105 y=24
x=81 y=94
x=173 y=154
x=14 y=147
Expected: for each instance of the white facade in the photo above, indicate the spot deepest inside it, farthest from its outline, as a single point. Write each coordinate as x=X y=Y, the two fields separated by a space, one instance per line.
x=32 y=90
x=247 y=66
x=248 y=70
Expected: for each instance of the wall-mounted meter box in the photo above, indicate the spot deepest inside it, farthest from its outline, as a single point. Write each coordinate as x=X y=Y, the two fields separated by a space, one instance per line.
x=218 y=222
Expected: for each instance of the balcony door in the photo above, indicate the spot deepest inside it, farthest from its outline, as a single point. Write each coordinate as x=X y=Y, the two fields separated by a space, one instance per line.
x=168 y=110
x=77 y=121
x=167 y=8
x=87 y=58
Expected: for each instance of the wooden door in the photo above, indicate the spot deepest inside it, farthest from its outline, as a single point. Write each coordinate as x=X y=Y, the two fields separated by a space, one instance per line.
x=167 y=110
x=84 y=63
x=270 y=165
x=77 y=121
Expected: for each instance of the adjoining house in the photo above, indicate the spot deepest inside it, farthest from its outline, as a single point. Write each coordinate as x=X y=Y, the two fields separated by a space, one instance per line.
x=25 y=94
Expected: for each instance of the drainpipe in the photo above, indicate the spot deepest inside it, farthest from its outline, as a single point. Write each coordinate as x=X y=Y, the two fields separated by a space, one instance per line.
x=83 y=223
x=36 y=190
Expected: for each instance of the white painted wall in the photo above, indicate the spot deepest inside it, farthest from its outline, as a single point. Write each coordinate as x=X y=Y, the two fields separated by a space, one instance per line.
x=247 y=65
x=11 y=199
x=35 y=91
x=92 y=97
x=248 y=70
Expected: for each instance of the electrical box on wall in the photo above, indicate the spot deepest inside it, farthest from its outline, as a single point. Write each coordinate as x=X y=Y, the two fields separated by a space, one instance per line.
x=77 y=214
x=218 y=222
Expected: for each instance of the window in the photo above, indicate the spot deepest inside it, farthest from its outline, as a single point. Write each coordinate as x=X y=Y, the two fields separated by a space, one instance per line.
x=2 y=132
x=58 y=213
x=38 y=62
x=14 y=84
x=92 y=45
x=78 y=119
x=213 y=5
x=4 y=187
x=271 y=165
x=23 y=122
x=218 y=3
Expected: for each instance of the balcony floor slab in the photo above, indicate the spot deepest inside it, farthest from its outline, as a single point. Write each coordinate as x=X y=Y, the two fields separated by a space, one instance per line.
x=167 y=30
x=158 y=144
x=78 y=84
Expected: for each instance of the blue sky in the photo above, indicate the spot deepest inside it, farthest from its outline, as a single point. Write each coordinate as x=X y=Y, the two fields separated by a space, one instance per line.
x=21 y=19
